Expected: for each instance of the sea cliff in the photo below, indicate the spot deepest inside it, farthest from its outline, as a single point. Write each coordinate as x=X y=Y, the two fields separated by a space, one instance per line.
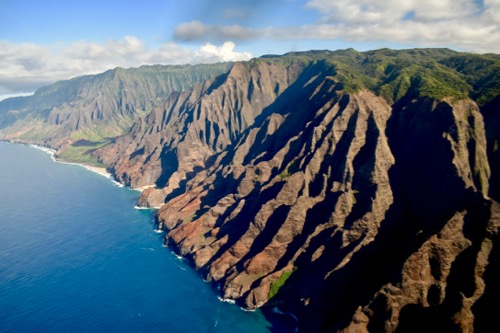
x=358 y=191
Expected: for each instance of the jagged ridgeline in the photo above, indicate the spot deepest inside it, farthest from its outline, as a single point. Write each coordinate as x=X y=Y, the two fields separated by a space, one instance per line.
x=91 y=110
x=357 y=190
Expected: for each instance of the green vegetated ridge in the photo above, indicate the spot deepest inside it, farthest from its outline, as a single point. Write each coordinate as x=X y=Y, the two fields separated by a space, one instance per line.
x=99 y=107
x=158 y=79
x=434 y=73
x=278 y=284
x=117 y=93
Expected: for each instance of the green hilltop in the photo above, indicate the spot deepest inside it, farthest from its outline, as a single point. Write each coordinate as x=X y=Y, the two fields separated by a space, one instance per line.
x=394 y=74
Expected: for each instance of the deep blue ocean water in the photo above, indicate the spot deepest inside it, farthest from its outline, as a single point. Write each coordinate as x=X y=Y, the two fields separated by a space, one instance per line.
x=76 y=257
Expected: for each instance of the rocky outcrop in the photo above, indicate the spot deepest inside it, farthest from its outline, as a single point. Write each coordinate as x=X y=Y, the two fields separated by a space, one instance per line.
x=328 y=204
x=440 y=283
x=439 y=226
x=306 y=185
x=179 y=136
x=356 y=212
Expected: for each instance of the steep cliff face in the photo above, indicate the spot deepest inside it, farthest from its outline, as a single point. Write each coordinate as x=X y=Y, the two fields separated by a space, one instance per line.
x=178 y=137
x=491 y=112
x=360 y=205
x=432 y=247
x=307 y=185
x=324 y=203
x=95 y=107
x=358 y=191
x=117 y=95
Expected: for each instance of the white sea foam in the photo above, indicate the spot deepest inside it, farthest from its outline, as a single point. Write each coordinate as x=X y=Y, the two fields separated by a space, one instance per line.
x=159 y=231
x=47 y=150
x=117 y=183
x=247 y=310
x=226 y=300
x=52 y=152
x=146 y=208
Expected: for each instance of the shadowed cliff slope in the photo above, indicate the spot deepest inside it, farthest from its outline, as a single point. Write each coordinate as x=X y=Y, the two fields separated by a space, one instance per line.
x=352 y=189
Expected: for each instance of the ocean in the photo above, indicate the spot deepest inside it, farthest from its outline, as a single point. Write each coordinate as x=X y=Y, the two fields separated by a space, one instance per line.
x=75 y=256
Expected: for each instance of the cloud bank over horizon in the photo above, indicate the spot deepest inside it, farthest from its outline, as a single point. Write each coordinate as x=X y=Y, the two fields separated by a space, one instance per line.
x=26 y=67
x=468 y=25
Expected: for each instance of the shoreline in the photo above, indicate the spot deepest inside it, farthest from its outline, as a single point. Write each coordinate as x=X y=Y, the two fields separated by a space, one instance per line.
x=103 y=172
x=98 y=170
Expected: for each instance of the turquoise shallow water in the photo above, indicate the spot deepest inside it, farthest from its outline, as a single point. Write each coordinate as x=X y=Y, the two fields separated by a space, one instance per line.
x=76 y=257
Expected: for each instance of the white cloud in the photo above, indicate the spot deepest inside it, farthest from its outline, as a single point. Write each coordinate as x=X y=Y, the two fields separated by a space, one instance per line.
x=358 y=11
x=465 y=24
x=194 y=30
x=26 y=67
x=212 y=53
x=469 y=25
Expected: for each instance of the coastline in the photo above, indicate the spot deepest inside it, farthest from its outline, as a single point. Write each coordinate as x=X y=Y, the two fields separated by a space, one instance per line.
x=99 y=170
x=48 y=234
x=103 y=172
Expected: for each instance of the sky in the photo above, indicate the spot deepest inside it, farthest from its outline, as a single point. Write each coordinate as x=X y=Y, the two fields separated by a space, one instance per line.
x=42 y=42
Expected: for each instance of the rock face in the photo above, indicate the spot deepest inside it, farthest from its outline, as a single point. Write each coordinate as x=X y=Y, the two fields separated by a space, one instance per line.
x=308 y=185
x=179 y=136
x=288 y=185
x=334 y=205
x=358 y=191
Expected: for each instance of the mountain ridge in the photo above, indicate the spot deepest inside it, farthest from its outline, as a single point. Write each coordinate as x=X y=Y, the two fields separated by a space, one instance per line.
x=357 y=190
x=95 y=107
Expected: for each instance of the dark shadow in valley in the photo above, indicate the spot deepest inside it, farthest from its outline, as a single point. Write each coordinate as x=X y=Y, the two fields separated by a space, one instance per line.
x=421 y=179
x=169 y=164
x=363 y=187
